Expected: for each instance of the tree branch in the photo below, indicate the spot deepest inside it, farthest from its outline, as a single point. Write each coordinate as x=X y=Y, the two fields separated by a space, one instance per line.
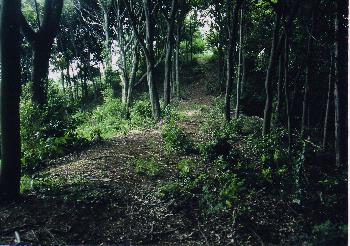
x=27 y=30
x=143 y=77
x=133 y=24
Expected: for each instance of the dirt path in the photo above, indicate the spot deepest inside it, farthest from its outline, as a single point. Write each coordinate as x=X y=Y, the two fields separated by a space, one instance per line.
x=96 y=197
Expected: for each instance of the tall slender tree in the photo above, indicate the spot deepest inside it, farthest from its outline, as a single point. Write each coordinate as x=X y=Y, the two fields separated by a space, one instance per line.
x=233 y=12
x=177 y=59
x=148 y=50
x=239 y=68
x=270 y=70
x=183 y=8
x=10 y=168
x=286 y=87
x=328 y=104
x=128 y=49
x=290 y=12
x=341 y=83
x=279 y=91
x=169 y=50
x=309 y=70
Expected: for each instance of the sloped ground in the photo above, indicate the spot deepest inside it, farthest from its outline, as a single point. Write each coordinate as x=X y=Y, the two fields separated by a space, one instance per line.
x=96 y=197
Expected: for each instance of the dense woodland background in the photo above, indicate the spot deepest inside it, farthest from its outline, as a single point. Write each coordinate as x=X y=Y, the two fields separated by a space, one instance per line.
x=196 y=121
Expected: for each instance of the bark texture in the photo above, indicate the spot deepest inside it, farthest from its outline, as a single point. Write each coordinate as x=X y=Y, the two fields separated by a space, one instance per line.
x=10 y=169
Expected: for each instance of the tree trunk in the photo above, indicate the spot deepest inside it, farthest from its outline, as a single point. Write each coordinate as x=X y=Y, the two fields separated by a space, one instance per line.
x=221 y=64
x=41 y=56
x=286 y=90
x=167 y=74
x=76 y=88
x=173 y=75
x=84 y=89
x=269 y=75
x=69 y=82
x=42 y=42
x=191 y=38
x=239 y=75
x=37 y=13
x=169 y=51
x=95 y=87
x=152 y=90
x=243 y=78
x=328 y=105
x=135 y=65
x=125 y=86
x=105 y=24
x=340 y=87
x=279 y=92
x=84 y=86
x=230 y=59
x=150 y=60
x=243 y=72
x=177 y=62
x=229 y=82
x=309 y=71
x=186 y=51
x=10 y=168
x=148 y=51
x=63 y=82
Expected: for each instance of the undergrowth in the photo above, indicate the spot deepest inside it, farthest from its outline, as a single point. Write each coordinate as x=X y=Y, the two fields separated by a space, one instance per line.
x=46 y=131
x=111 y=117
x=238 y=164
x=175 y=138
x=61 y=126
x=227 y=174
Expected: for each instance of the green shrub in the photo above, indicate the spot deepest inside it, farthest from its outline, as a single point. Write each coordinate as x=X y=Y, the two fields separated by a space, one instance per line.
x=269 y=147
x=105 y=120
x=170 y=190
x=229 y=192
x=220 y=188
x=186 y=167
x=48 y=131
x=215 y=148
x=112 y=79
x=181 y=192
x=141 y=113
x=214 y=188
x=170 y=113
x=214 y=122
x=243 y=126
x=148 y=167
x=26 y=184
x=176 y=140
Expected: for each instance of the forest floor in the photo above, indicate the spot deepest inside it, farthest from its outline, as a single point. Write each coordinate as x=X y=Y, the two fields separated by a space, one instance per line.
x=96 y=196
